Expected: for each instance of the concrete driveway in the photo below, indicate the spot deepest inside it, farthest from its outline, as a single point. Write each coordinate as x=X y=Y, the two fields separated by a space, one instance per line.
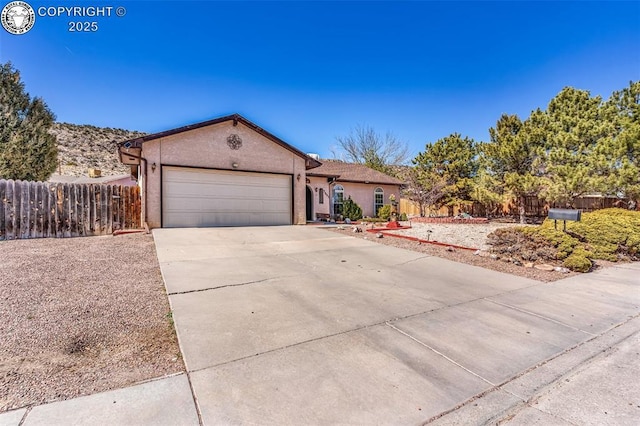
x=300 y=325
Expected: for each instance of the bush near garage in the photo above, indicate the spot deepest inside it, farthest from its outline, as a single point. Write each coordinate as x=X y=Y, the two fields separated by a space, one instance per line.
x=608 y=234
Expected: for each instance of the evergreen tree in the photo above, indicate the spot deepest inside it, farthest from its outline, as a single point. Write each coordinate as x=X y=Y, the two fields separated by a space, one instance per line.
x=351 y=210
x=621 y=152
x=511 y=158
x=454 y=160
x=27 y=149
x=570 y=130
x=486 y=188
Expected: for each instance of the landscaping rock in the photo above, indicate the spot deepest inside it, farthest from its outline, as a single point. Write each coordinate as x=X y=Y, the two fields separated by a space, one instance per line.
x=379 y=235
x=528 y=265
x=561 y=269
x=450 y=249
x=494 y=256
x=544 y=267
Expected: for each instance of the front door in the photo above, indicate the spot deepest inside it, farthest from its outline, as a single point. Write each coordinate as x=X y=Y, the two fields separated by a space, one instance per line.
x=309 y=204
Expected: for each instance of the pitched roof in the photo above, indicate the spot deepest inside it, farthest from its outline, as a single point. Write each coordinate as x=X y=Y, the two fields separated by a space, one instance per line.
x=351 y=172
x=236 y=118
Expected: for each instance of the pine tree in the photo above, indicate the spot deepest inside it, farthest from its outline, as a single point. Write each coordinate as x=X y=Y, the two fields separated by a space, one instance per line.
x=27 y=149
x=486 y=188
x=621 y=152
x=511 y=158
x=570 y=130
x=454 y=160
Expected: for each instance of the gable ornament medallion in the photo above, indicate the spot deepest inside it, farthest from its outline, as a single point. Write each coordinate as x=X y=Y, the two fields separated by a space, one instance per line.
x=234 y=141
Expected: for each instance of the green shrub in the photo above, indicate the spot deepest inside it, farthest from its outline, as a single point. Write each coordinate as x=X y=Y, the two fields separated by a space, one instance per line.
x=384 y=212
x=608 y=234
x=403 y=217
x=351 y=210
x=577 y=262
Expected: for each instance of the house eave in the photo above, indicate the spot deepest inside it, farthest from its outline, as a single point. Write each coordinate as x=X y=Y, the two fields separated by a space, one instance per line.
x=138 y=142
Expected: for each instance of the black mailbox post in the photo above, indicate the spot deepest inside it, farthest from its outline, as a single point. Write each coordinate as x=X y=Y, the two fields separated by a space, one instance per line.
x=564 y=215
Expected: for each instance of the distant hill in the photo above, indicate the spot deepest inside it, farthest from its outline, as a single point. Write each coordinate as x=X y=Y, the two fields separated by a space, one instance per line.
x=81 y=147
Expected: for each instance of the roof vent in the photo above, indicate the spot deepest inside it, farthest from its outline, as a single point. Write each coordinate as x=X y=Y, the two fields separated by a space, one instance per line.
x=314 y=156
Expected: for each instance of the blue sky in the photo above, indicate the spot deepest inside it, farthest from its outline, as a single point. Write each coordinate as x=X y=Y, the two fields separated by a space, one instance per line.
x=311 y=71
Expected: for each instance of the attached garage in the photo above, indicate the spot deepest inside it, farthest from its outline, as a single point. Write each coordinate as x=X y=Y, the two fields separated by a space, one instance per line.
x=193 y=197
x=223 y=172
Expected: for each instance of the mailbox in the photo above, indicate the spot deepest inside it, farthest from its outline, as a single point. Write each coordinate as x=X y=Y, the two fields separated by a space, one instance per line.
x=564 y=215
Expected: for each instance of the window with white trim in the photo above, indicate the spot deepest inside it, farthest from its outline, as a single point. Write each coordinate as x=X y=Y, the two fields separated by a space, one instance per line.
x=378 y=200
x=338 y=200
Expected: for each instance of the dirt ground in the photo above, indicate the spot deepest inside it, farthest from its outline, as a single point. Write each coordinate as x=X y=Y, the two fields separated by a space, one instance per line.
x=81 y=315
x=466 y=235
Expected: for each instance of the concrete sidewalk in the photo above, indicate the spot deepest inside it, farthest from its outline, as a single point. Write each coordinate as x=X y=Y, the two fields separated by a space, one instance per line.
x=299 y=325
x=166 y=401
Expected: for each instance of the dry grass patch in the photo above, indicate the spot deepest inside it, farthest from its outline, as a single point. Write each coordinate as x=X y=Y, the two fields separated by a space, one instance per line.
x=81 y=315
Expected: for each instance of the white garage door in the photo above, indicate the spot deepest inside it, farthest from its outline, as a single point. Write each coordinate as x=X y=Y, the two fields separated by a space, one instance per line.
x=200 y=197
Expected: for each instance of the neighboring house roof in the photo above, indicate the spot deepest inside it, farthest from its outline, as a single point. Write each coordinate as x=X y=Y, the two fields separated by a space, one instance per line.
x=236 y=118
x=351 y=172
x=86 y=179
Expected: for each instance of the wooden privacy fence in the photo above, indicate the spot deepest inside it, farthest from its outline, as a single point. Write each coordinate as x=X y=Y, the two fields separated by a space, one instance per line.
x=61 y=210
x=534 y=207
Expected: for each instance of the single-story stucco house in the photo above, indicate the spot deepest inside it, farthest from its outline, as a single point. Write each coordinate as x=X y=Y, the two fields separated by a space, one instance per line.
x=230 y=172
x=335 y=181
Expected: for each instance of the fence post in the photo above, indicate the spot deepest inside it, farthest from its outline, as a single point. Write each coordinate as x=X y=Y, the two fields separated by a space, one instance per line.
x=3 y=202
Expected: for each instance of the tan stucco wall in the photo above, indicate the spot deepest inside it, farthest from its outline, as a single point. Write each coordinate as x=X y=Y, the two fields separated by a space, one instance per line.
x=207 y=147
x=318 y=184
x=361 y=193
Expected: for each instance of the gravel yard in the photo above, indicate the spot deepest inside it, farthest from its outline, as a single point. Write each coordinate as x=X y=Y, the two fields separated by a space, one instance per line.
x=81 y=315
x=466 y=235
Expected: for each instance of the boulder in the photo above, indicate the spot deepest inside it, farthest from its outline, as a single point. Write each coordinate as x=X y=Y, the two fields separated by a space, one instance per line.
x=544 y=267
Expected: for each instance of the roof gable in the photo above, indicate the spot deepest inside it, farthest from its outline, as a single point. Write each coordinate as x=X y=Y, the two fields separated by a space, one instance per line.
x=236 y=118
